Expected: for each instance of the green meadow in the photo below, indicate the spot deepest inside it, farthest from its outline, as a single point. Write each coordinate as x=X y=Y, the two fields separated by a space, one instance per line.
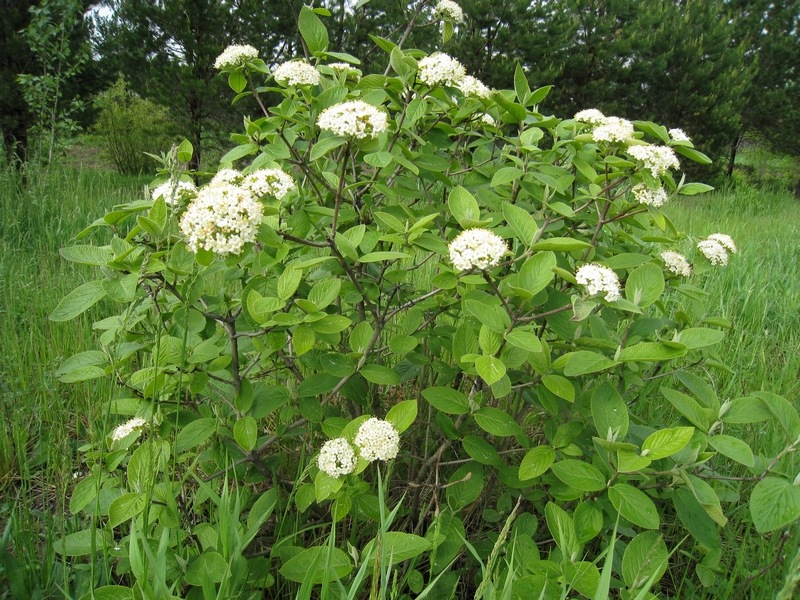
x=45 y=422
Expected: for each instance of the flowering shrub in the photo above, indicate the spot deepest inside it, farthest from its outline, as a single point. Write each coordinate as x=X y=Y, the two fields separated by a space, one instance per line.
x=395 y=345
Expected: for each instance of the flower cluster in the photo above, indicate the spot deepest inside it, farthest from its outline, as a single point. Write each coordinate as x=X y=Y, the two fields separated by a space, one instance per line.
x=377 y=440
x=488 y=119
x=355 y=119
x=716 y=248
x=235 y=56
x=658 y=159
x=449 y=10
x=478 y=248
x=337 y=457
x=613 y=129
x=342 y=67
x=646 y=195
x=440 y=68
x=599 y=280
x=222 y=219
x=122 y=431
x=268 y=182
x=678 y=135
x=296 y=72
x=592 y=116
x=676 y=263
x=472 y=86
x=229 y=176
x=175 y=192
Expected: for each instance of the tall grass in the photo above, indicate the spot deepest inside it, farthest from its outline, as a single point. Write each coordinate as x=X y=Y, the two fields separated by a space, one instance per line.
x=43 y=421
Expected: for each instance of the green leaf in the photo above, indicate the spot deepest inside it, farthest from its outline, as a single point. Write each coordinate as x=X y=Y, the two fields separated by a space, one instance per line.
x=402 y=415
x=313 y=31
x=464 y=207
x=496 y=422
x=692 y=154
x=649 y=352
x=609 y=412
x=288 y=282
x=774 y=503
x=195 y=433
x=579 y=475
x=85 y=491
x=125 y=508
x=380 y=374
x=634 y=505
x=733 y=448
x=245 y=432
x=447 y=400
x=109 y=592
x=325 y=486
x=382 y=256
x=505 y=176
x=325 y=145
x=584 y=362
x=688 y=407
x=645 y=559
x=521 y=86
x=81 y=542
x=239 y=152
x=644 y=285
x=490 y=369
x=303 y=338
x=317 y=384
x=561 y=244
x=536 y=273
x=237 y=81
x=315 y=564
x=398 y=546
x=520 y=220
x=588 y=520
x=524 y=340
x=560 y=386
x=325 y=292
x=261 y=308
x=699 y=337
x=536 y=462
x=783 y=411
x=465 y=485
x=691 y=189
x=562 y=529
x=185 y=151
x=666 y=442
x=480 y=450
x=209 y=566
x=78 y=301
x=98 y=256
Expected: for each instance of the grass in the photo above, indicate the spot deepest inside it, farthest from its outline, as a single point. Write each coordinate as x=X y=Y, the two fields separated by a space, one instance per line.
x=45 y=422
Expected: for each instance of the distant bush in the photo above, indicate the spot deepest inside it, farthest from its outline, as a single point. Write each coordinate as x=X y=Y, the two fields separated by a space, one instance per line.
x=130 y=126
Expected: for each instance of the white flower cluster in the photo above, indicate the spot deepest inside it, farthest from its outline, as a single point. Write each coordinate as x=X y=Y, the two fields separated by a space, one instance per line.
x=716 y=248
x=449 y=10
x=355 y=118
x=296 y=72
x=678 y=135
x=646 y=195
x=377 y=440
x=440 y=68
x=472 y=86
x=479 y=248
x=337 y=457
x=341 y=67
x=175 y=192
x=676 y=263
x=613 y=129
x=658 y=159
x=599 y=280
x=268 y=182
x=228 y=176
x=222 y=219
x=127 y=428
x=488 y=119
x=592 y=116
x=235 y=56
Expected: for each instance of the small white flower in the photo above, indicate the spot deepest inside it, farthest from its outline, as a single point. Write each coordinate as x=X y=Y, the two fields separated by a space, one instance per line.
x=725 y=240
x=222 y=219
x=268 y=182
x=472 y=86
x=714 y=252
x=355 y=118
x=676 y=263
x=488 y=120
x=678 y=135
x=592 y=116
x=337 y=457
x=175 y=192
x=377 y=440
x=342 y=67
x=478 y=248
x=127 y=428
x=235 y=56
x=645 y=195
x=599 y=280
x=227 y=177
x=613 y=129
x=440 y=68
x=296 y=72
x=658 y=159
x=449 y=10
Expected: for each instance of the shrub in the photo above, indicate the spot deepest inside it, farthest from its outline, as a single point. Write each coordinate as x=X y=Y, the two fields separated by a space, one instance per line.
x=406 y=348
x=131 y=127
